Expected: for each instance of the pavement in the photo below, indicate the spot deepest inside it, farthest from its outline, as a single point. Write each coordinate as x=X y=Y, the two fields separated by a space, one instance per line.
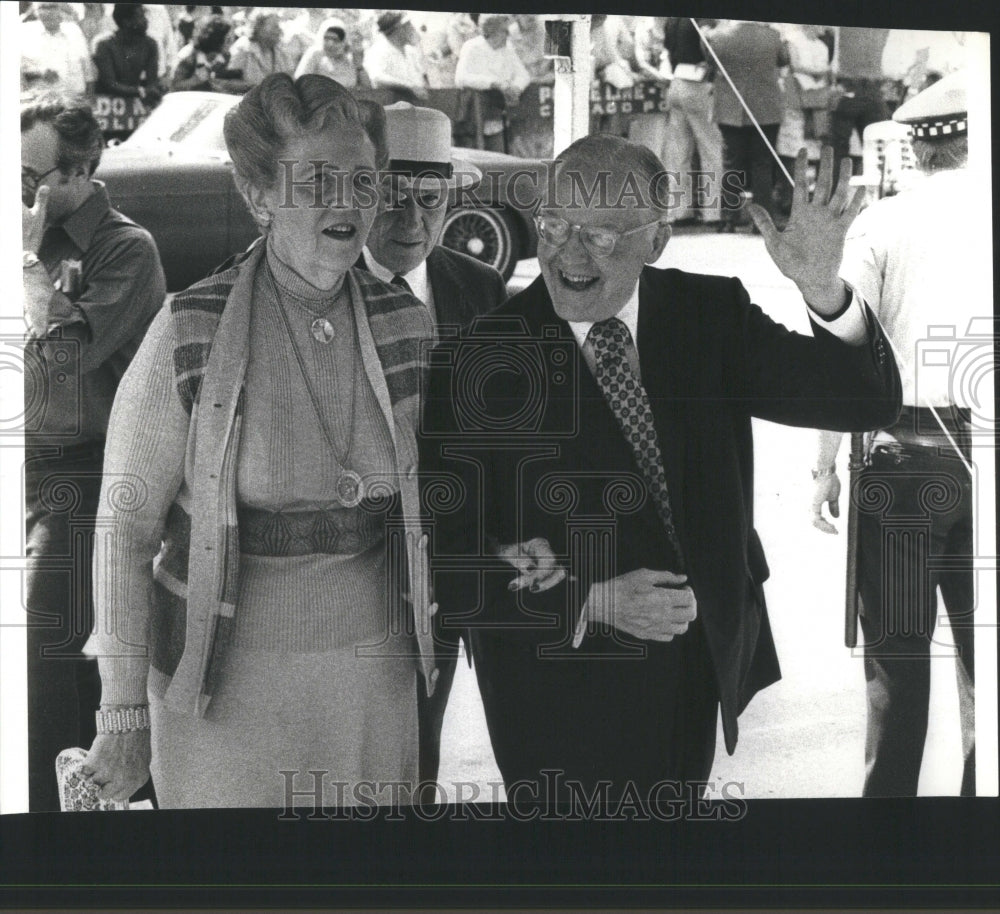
x=803 y=736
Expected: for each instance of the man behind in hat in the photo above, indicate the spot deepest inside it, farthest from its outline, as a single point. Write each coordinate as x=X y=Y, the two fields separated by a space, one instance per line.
x=393 y=61
x=403 y=249
x=912 y=257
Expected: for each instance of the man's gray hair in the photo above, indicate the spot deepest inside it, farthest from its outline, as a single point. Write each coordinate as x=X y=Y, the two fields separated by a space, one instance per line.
x=941 y=153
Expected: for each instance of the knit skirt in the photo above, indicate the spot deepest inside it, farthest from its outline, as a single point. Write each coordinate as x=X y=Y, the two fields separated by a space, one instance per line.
x=332 y=728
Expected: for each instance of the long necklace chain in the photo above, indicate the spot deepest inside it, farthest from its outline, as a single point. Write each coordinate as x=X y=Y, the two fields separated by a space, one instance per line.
x=342 y=460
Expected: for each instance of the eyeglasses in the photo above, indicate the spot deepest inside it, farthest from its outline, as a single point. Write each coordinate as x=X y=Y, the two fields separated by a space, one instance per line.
x=599 y=240
x=30 y=179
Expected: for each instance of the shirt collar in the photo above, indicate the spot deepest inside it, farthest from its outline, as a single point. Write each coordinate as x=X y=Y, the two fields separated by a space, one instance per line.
x=416 y=279
x=629 y=315
x=81 y=224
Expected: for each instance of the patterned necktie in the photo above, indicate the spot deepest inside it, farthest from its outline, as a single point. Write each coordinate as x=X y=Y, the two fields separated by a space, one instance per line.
x=630 y=404
x=399 y=280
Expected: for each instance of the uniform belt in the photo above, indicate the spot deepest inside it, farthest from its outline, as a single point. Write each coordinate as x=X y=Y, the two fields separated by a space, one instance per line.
x=919 y=427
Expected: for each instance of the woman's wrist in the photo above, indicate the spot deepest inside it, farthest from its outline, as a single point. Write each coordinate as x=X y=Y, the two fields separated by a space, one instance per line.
x=122 y=718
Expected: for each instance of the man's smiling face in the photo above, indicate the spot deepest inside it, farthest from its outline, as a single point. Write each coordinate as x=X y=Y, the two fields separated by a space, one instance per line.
x=585 y=286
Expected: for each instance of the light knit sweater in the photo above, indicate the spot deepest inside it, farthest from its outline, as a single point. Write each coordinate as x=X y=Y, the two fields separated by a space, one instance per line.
x=301 y=603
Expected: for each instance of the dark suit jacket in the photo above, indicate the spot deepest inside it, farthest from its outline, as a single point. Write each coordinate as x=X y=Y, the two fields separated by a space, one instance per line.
x=519 y=442
x=463 y=287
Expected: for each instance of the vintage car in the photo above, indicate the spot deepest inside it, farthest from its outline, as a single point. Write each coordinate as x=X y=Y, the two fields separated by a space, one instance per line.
x=173 y=176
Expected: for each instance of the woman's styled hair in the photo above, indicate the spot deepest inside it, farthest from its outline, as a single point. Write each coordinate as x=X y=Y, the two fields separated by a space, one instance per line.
x=280 y=108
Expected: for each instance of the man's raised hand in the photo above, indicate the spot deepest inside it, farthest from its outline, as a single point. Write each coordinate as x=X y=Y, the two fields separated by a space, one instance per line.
x=810 y=248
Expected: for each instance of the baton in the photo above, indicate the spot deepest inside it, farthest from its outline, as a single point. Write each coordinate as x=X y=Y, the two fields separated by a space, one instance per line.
x=855 y=465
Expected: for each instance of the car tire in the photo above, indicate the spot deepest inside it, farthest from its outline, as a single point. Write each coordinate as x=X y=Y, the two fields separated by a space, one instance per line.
x=489 y=235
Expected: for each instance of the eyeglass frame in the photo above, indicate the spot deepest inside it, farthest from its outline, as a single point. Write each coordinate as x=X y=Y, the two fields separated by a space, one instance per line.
x=579 y=228
x=36 y=178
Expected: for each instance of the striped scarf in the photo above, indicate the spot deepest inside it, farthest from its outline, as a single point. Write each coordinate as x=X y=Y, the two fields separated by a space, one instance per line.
x=399 y=325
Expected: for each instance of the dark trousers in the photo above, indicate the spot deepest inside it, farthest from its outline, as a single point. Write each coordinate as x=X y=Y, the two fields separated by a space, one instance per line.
x=601 y=715
x=862 y=105
x=64 y=688
x=744 y=151
x=915 y=535
x=430 y=717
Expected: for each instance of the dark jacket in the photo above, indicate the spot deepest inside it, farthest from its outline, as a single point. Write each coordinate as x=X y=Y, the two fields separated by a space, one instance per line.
x=518 y=432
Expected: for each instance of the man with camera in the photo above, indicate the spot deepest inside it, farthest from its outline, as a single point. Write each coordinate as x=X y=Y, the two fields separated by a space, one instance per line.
x=913 y=497
x=594 y=435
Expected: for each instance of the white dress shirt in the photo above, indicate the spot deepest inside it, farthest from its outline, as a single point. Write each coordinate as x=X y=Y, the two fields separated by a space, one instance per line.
x=851 y=327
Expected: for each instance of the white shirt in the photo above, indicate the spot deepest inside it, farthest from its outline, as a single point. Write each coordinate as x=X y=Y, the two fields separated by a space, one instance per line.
x=850 y=327
x=922 y=261
x=387 y=65
x=416 y=279
x=65 y=52
x=481 y=66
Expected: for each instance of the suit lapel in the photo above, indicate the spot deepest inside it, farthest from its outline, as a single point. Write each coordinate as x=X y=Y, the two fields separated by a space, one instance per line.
x=659 y=359
x=449 y=300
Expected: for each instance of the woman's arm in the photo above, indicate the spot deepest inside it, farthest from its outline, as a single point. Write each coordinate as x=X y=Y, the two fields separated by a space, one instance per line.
x=143 y=472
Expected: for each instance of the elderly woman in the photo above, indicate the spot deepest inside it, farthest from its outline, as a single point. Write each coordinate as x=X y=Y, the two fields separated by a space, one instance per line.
x=260 y=497
x=330 y=55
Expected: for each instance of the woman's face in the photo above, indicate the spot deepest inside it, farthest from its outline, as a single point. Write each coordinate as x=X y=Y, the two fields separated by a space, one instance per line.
x=324 y=202
x=334 y=45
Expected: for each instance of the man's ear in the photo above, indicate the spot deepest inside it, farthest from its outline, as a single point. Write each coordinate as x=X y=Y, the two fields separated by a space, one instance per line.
x=660 y=239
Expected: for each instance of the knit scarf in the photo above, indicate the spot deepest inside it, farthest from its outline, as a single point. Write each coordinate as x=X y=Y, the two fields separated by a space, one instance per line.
x=399 y=326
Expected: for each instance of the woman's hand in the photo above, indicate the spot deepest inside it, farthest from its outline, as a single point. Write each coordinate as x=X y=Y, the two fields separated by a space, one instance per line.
x=118 y=763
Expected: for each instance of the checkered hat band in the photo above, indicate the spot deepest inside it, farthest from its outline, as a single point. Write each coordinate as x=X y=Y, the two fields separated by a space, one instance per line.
x=930 y=129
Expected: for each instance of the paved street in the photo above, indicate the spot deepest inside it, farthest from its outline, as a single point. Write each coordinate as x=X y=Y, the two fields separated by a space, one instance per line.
x=804 y=736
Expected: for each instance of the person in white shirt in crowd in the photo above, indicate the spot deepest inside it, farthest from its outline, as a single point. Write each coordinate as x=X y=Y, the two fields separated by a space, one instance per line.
x=439 y=61
x=461 y=28
x=610 y=66
x=54 y=53
x=393 y=61
x=161 y=29
x=527 y=37
x=911 y=55
x=330 y=54
x=488 y=63
x=806 y=86
x=652 y=65
x=260 y=52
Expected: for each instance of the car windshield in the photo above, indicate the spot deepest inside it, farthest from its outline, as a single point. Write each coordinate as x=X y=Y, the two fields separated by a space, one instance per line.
x=185 y=119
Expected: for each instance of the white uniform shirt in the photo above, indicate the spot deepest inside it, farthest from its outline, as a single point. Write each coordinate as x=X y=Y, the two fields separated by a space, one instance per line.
x=922 y=261
x=481 y=66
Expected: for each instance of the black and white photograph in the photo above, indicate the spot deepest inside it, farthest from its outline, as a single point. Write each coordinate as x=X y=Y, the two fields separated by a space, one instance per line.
x=558 y=415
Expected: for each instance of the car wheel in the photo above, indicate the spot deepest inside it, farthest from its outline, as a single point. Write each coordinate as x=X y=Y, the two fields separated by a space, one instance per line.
x=489 y=235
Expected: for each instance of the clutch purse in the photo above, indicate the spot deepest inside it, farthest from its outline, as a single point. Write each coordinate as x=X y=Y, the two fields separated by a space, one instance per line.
x=77 y=793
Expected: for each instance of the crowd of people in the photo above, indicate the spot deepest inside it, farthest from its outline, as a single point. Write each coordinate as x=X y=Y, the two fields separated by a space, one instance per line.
x=302 y=508
x=709 y=73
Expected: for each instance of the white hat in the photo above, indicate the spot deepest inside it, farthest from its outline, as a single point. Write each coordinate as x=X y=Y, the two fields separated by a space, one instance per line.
x=941 y=110
x=419 y=141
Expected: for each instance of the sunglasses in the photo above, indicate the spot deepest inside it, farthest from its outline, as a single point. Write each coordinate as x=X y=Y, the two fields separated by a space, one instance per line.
x=599 y=240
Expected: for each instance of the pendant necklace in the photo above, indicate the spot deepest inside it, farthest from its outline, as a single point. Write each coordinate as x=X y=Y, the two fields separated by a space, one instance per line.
x=350 y=486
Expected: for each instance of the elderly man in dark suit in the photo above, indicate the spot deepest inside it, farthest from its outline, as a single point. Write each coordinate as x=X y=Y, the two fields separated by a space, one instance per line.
x=403 y=249
x=594 y=433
